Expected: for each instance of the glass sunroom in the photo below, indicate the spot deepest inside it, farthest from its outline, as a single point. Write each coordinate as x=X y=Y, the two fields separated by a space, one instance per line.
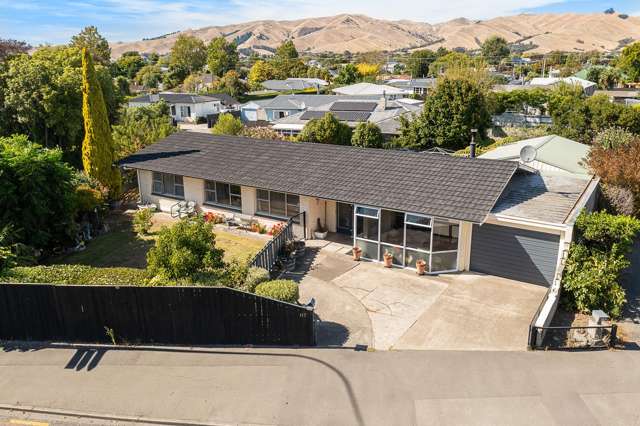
x=408 y=237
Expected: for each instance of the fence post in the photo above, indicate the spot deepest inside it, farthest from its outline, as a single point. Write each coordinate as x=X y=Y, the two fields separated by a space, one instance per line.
x=304 y=224
x=614 y=335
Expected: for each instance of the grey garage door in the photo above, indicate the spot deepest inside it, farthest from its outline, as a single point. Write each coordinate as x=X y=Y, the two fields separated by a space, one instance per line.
x=514 y=253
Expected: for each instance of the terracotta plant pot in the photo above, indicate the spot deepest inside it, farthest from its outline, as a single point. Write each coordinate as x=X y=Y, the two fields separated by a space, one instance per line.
x=421 y=266
x=357 y=252
x=388 y=260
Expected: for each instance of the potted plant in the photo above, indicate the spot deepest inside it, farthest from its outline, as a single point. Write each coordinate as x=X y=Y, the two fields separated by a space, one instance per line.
x=357 y=252
x=320 y=233
x=421 y=266
x=388 y=259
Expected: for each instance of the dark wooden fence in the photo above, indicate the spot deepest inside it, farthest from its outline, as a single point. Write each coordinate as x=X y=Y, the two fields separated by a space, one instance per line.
x=266 y=258
x=165 y=315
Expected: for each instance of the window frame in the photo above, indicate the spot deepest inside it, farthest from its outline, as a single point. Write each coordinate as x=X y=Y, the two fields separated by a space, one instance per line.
x=163 y=184
x=214 y=191
x=287 y=216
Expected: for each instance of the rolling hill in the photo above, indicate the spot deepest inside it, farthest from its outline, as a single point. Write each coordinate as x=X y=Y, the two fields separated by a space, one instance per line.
x=358 y=33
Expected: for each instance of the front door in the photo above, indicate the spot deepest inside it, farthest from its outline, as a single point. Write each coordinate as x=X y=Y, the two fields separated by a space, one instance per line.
x=345 y=218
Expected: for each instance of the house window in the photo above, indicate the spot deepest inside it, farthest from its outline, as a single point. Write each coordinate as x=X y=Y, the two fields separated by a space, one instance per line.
x=173 y=110
x=185 y=111
x=277 y=204
x=168 y=184
x=223 y=194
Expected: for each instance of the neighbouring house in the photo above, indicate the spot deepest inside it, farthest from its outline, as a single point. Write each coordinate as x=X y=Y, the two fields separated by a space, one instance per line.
x=457 y=214
x=294 y=84
x=371 y=89
x=620 y=96
x=381 y=112
x=589 y=87
x=417 y=86
x=284 y=105
x=550 y=153
x=183 y=106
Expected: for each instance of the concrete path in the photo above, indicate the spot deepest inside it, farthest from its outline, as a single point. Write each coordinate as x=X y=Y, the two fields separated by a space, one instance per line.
x=324 y=386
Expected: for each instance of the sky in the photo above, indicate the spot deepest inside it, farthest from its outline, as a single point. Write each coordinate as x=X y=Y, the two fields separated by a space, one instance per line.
x=55 y=21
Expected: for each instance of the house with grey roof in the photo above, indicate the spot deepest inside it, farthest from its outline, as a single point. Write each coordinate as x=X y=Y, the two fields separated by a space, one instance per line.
x=293 y=84
x=417 y=86
x=381 y=112
x=285 y=105
x=457 y=214
x=187 y=106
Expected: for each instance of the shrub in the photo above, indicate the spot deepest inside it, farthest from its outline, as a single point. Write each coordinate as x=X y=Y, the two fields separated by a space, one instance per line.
x=596 y=261
x=276 y=228
x=7 y=257
x=88 y=199
x=613 y=137
x=186 y=248
x=254 y=277
x=75 y=274
x=227 y=124
x=284 y=290
x=142 y=221
x=214 y=218
x=620 y=200
x=233 y=274
x=37 y=193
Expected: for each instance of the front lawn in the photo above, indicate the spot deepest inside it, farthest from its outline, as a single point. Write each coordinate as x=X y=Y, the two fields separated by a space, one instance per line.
x=121 y=247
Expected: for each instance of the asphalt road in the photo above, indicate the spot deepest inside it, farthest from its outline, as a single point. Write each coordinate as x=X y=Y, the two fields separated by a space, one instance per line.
x=317 y=387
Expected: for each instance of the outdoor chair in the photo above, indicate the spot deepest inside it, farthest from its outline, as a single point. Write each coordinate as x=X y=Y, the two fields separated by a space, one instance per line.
x=188 y=210
x=177 y=208
x=232 y=221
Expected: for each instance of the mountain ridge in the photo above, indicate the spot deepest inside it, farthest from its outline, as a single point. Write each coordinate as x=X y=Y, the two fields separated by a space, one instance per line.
x=538 y=33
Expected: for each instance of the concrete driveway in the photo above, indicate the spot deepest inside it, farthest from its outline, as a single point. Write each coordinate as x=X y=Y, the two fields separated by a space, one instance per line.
x=365 y=303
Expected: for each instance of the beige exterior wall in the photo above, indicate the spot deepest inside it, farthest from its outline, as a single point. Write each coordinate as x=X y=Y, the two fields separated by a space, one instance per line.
x=464 y=246
x=332 y=215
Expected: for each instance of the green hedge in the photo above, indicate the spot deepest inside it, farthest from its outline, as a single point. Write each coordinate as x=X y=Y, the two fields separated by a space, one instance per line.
x=284 y=290
x=75 y=274
x=596 y=261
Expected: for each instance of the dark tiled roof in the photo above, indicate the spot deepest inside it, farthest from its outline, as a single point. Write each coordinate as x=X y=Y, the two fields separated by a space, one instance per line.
x=432 y=184
x=340 y=115
x=178 y=98
x=353 y=106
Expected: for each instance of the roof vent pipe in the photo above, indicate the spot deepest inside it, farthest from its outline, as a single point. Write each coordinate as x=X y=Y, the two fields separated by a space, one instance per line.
x=472 y=146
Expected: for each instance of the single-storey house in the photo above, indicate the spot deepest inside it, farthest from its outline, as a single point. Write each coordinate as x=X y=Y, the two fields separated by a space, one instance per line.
x=620 y=96
x=291 y=84
x=183 y=106
x=550 y=153
x=285 y=105
x=417 y=86
x=383 y=113
x=456 y=214
x=589 y=87
x=371 y=89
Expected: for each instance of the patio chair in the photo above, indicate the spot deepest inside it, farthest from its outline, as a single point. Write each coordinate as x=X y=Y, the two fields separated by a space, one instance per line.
x=232 y=221
x=245 y=224
x=177 y=208
x=188 y=210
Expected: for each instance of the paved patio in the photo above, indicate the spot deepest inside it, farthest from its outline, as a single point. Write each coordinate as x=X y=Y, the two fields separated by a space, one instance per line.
x=365 y=303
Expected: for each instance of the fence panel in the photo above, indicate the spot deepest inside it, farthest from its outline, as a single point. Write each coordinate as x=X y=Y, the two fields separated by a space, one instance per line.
x=169 y=315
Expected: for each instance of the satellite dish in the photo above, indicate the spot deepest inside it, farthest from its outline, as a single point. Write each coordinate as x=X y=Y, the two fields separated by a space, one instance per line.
x=528 y=154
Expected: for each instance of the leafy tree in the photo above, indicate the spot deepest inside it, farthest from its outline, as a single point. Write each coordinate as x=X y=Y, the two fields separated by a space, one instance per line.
x=231 y=84
x=129 y=64
x=618 y=165
x=318 y=72
x=456 y=106
x=37 y=193
x=495 y=49
x=368 y=71
x=610 y=78
x=227 y=124
x=141 y=126
x=261 y=132
x=519 y=100
x=569 y=113
x=153 y=58
x=450 y=60
x=91 y=39
x=259 y=72
x=185 y=249
x=222 y=56
x=419 y=62
x=149 y=76
x=9 y=47
x=629 y=61
x=348 y=74
x=327 y=129
x=188 y=56
x=367 y=135
x=43 y=97
x=98 y=155
x=287 y=50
